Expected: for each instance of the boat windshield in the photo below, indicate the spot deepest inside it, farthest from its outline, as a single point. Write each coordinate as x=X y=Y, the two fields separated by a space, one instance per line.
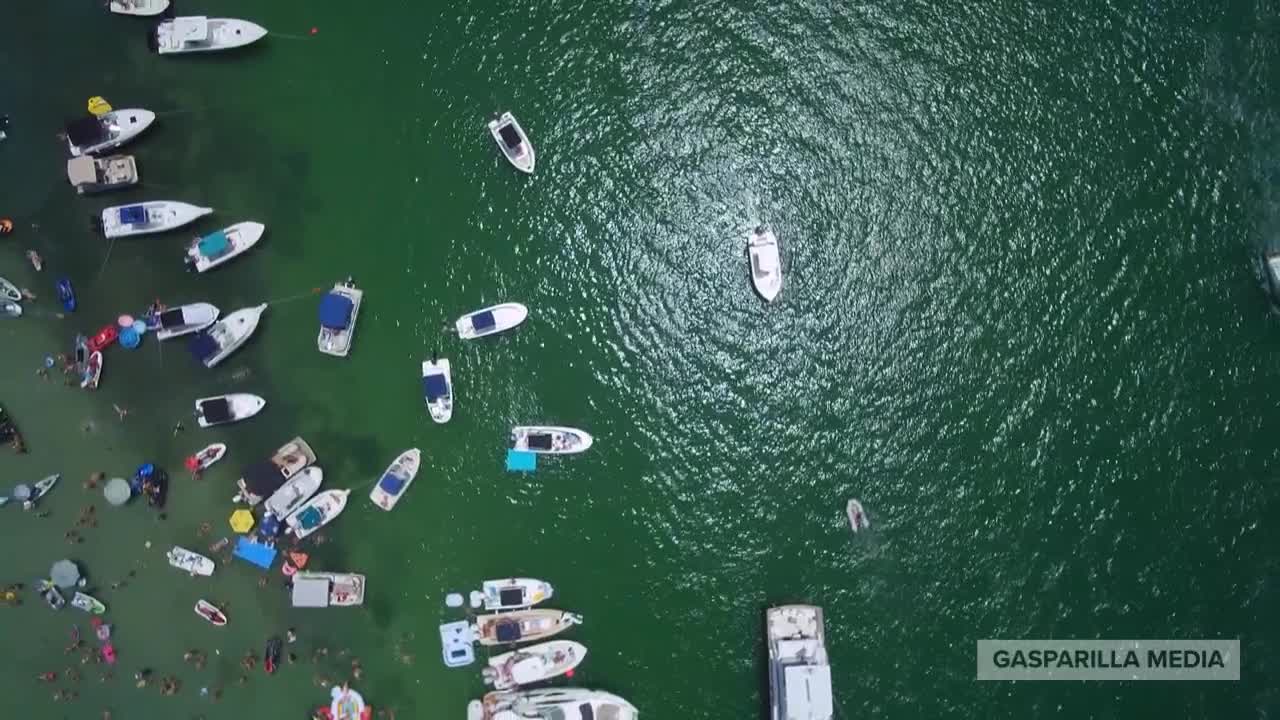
x=510 y=136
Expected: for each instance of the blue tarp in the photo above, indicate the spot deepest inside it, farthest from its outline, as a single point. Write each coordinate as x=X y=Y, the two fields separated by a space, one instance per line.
x=213 y=244
x=482 y=320
x=434 y=387
x=255 y=553
x=391 y=484
x=335 y=311
x=202 y=346
x=270 y=526
x=133 y=214
x=521 y=461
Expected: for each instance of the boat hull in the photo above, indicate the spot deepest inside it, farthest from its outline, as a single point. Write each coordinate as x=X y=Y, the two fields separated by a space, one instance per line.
x=293 y=494
x=223 y=34
x=404 y=469
x=197 y=317
x=505 y=317
x=242 y=407
x=534 y=663
x=241 y=237
x=337 y=342
x=190 y=562
x=522 y=626
x=161 y=216
x=232 y=332
x=441 y=408
x=130 y=123
x=564 y=440
x=139 y=8
x=766 y=264
x=523 y=157
x=331 y=503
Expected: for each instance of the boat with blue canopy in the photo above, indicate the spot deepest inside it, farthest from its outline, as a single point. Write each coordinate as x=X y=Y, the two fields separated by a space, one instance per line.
x=491 y=320
x=149 y=217
x=396 y=480
x=218 y=247
x=339 y=310
x=437 y=389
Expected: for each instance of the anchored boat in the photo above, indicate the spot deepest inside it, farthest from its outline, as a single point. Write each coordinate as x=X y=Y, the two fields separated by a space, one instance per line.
x=766 y=267
x=204 y=34
x=339 y=310
x=396 y=480
x=550 y=439
x=226 y=336
x=219 y=247
x=261 y=479
x=521 y=626
x=99 y=133
x=491 y=320
x=142 y=8
x=437 y=389
x=513 y=593
x=799 y=672
x=299 y=489
x=90 y=176
x=224 y=409
x=325 y=589
x=147 y=218
x=533 y=664
x=183 y=320
x=554 y=704
x=515 y=145
x=189 y=561
x=317 y=512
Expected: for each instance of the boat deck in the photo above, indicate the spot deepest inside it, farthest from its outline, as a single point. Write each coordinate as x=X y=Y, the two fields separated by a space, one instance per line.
x=799 y=673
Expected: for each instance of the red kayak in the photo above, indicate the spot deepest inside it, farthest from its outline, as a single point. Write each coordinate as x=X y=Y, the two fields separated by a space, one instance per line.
x=105 y=337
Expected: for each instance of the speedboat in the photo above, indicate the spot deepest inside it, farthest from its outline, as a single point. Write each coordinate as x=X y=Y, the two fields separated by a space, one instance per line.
x=210 y=612
x=94 y=175
x=299 y=489
x=857 y=518
x=316 y=513
x=326 y=589
x=92 y=372
x=88 y=603
x=491 y=320
x=223 y=409
x=437 y=389
x=338 y=312
x=226 y=336
x=183 y=320
x=146 y=218
x=519 y=626
x=261 y=479
x=98 y=133
x=9 y=291
x=40 y=489
x=66 y=294
x=766 y=268
x=396 y=480
x=216 y=248
x=534 y=663
x=513 y=593
x=189 y=561
x=204 y=34
x=553 y=704
x=514 y=143
x=142 y=8
x=206 y=457
x=799 y=672
x=550 y=439
x=9 y=308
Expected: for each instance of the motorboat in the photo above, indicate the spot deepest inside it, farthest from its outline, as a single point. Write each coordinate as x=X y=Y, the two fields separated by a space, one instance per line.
x=216 y=248
x=9 y=291
x=857 y=517
x=210 y=612
x=396 y=480
x=66 y=294
x=550 y=439
x=533 y=664
x=261 y=479
x=226 y=336
x=491 y=320
x=51 y=596
x=553 y=704
x=437 y=389
x=515 y=145
x=147 y=218
x=299 y=489
x=191 y=562
x=766 y=266
x=88 y=603
x=141 y=8
x=799 y=672
x=316 y=513
x=183 y=320
x=339 y=309
x=98 y=133
x=204 y=34
x=223 y=409
x=326 y=589
x=522 y=625
x=9 y=308
x=40 y=489
x=202 y=460
x=514 y=593
x=92 y=372
x=89 y=175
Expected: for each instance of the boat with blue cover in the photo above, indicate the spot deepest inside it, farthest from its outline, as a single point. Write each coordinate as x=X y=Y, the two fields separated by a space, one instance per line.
x=146 y=218
x=339 y=310
x=226 y=336
x=316 y=513
x=219 y=247
x=437 y=389
x=396 y=480
x=491 y=320
x=66 y=294
x=97 y=133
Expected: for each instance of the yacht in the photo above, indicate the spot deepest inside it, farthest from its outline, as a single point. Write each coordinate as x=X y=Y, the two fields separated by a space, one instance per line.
x=552 y=704
x=799 y=673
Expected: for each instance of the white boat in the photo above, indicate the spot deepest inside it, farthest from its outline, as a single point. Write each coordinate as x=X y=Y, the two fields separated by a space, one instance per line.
x=515 y=145
x=88 y=603
x=555 y=704
x=210 y=612
x=206 y=457
x=514 y=593
x=339 y=310
x=520 y=626
x=185 y=319
x=325 y=589
x=9 y=291
x=94 y=175
x=92 y=372
x=437 y=389
x=149 y=217
x=142 y=8
x=550 y=439
x=491 y=320
x=295 y=492
x=40 y=489
x=204 y=34
x=208 y=252
x=226 y=336
x=857 y=517
x=99 y=133
x=260 y=480
x=191 y=562
x=9 y=308
x=766 y=265
x=396 y=480
x=317 y=512
x=533 y=664
x=799 y=672
x=223 y=409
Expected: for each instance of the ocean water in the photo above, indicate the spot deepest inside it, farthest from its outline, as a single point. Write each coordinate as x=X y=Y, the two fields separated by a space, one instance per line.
x=1022 y=321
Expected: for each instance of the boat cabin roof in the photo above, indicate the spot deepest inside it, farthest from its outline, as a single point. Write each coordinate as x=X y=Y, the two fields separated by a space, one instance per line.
x=311 y=592
x=216 y=410
x=808 y=692
x=510 y=136
x=434 y=387
x=483 y=320
x=82 y=170
x=191 y=29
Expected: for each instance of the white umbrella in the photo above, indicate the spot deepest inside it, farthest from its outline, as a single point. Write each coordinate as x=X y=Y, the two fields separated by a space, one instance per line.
x=64 y=574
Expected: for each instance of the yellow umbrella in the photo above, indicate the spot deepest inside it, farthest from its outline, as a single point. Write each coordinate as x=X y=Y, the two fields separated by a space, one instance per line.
x=98 y=106
x=242 y=521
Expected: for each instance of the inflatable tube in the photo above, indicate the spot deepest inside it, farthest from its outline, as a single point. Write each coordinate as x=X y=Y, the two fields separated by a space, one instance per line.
x=129 y=338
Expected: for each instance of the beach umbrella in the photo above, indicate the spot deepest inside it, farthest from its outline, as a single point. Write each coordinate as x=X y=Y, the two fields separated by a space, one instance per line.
x=64 y=574
x=117 y=491
x=22 y=492
x=242 y=521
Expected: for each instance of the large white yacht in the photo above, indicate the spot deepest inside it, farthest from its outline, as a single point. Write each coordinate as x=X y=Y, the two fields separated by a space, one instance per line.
x=799 y=673
x=552 y=704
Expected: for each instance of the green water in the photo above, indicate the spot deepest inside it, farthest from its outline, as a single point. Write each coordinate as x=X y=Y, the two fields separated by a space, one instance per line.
x=1021 y=322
